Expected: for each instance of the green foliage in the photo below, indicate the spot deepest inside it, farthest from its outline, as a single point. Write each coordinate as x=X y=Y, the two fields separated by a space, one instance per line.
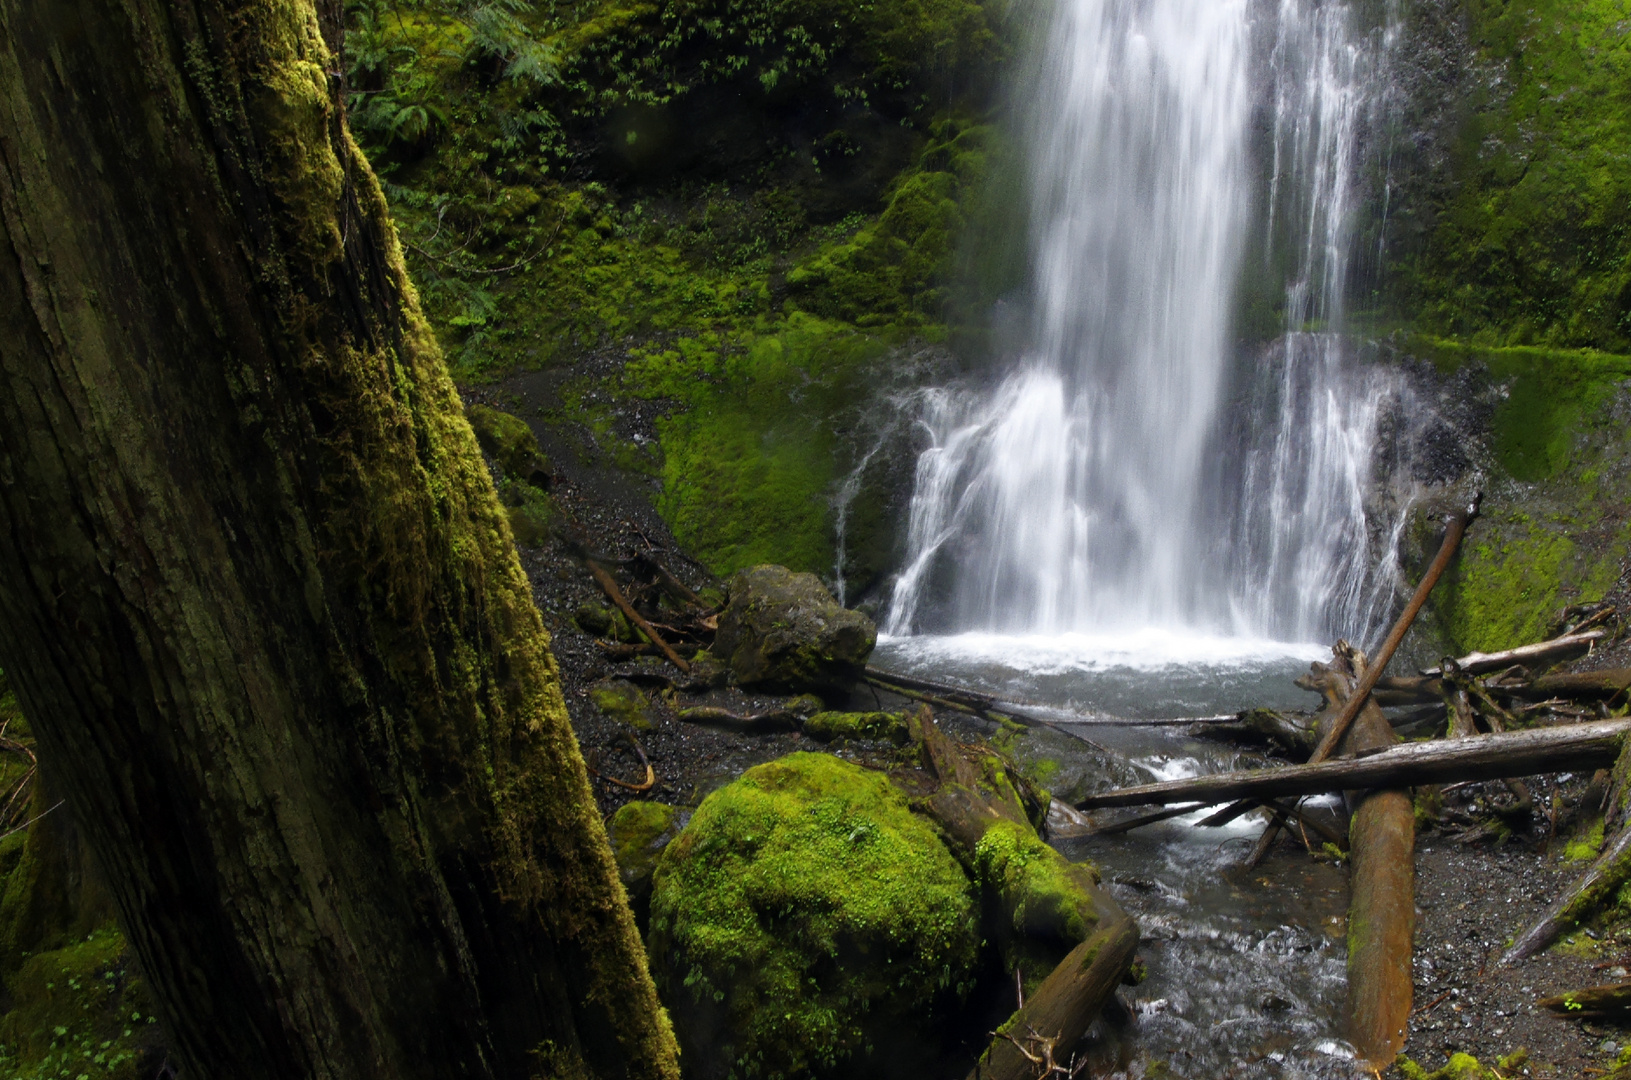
x=881 y=726
x=77 y=1012
x=555 y=173
x=1585 y=847
x=1463 y=1066
x=1556 y=537
x=1532 y=244
x=810 y=913
x=1550 y=397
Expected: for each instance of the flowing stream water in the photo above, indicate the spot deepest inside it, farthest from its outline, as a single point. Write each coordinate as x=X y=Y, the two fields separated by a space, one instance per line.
x=1142 y=517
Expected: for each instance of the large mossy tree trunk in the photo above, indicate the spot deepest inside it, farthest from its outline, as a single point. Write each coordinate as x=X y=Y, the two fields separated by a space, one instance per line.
x=256 y=590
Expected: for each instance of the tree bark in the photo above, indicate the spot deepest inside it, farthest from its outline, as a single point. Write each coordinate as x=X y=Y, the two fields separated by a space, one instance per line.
x=1570 y=748
x=256 y=590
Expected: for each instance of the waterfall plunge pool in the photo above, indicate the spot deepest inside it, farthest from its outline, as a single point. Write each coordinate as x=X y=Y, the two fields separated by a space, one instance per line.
x=1247 y=968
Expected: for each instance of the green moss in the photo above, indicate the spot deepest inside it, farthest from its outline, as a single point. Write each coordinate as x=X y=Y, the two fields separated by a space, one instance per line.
x=1549 y=395
x=806 y=915
x=77 y=1011
x=1046 y=911
x=1587 y=846
x=1463 y=1066
x=882 y=726
x=1531 y=242
x=622 y=701
x=509 y=441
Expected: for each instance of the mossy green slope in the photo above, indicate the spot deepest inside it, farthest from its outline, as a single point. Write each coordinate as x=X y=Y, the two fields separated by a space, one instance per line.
x=803 y=918
x=1553 y=529
x=754 y=204
x=1531 y=243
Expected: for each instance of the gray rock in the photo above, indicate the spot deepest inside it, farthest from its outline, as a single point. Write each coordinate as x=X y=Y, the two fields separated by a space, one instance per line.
x=783 y=629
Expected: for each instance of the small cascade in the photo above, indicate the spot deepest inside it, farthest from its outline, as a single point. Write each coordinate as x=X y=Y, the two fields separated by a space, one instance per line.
x=1135 y=467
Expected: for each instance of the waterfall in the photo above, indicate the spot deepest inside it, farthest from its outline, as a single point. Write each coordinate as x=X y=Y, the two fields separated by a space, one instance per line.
x=1134 y=467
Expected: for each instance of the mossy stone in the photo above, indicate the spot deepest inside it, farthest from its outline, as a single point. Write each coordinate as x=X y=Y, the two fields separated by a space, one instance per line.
x=783 y=629
x=79 y=1004
x=623 y=701
x=511 y=444
x=807 y=923
x=882 y=726
x=639 y=832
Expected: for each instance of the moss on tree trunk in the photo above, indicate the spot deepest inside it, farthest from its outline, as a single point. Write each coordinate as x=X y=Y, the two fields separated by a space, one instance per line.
x=256 y=590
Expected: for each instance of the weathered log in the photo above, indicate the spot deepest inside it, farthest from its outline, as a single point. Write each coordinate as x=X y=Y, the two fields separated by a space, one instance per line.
x=1060 y=1010
x=1601 y=881
x=774 y=720
x=609 y=587
x=1613 y=1000
x=1567 y=748
x=1585 y=684
x=1293 y=733
x=1382 y=839
x=1129 y=824
x=1562 y=648
x=1456 y=529
x=949 y=697
x=1046 y=902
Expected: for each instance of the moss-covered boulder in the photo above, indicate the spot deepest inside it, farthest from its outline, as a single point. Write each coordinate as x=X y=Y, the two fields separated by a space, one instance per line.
x=783 y=629
x=808 y=923
x=639 y=832
x=622 y=700
x=511 y=444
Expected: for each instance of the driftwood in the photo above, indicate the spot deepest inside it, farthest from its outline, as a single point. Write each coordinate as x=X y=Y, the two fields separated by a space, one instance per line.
x=1129 y=824
x=950 y=697
x=968 y=805
x=1601 y=881
x=1292 y=732
x=1060 y=1011
x=1361 y=694
x=773 y=720
x=609 y=587
x=1382 y=904
x=1566 y=748
x=1613 y=1000
x=1563 y=648
x=1585 y=685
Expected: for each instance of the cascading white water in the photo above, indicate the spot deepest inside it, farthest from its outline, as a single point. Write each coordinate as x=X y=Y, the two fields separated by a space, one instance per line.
x=1130 y=471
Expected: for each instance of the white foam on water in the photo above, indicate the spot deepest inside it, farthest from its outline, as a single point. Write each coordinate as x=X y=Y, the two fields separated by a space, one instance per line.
x=1143 y=649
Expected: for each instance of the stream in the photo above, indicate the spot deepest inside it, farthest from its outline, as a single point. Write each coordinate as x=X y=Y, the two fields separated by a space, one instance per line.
x=1246 y=968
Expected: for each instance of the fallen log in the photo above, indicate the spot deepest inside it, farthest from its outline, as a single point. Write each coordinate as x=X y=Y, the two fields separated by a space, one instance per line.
x=609 y=587
x=1453 y=533
x=1061 y=1009
x=1585 y=684
x=1129 y=824
x=1382 y=904
x=1563 y=648
x=1600 y=882
x=1613 y=1000
x=1567 y=748
x=1046 y=902
x=775 y=720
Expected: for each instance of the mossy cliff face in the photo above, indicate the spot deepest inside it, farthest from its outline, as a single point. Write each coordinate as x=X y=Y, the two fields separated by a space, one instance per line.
x=743 y=211
x=1509 y=270
x=1550 y=432
x=807 y=923
x=1511 y=195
